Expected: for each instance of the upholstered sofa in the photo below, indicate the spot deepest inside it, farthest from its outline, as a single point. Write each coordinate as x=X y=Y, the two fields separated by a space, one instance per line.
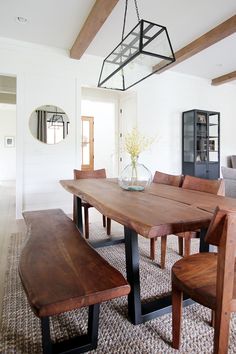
x=229 y=176
x=233 y=161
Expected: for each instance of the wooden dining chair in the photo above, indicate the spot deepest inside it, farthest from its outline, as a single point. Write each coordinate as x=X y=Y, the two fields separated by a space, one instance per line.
x=209 y=279
x=78 y=174
x=202 y=185
x=184 y=238
x=171 y=180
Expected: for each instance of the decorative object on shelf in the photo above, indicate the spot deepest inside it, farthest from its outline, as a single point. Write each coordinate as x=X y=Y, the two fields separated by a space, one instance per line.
x=145 y=50
x=135 y=176
x=201 y=118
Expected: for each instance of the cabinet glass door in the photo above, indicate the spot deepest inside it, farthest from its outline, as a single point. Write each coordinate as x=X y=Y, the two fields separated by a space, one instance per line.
x=201 y=137
x=213 y=144
x=188 y=137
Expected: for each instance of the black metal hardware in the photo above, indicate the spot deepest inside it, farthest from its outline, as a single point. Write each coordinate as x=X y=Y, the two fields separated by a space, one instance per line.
x=106 y=242
x=132 y=46
x=138 y=312
x=78 y=213
x=79 y=344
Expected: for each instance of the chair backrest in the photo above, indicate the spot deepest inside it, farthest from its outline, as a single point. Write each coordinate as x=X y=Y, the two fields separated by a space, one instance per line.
x=78 y=174
x=221 y=233
x=229 y=176
x=165 y=178
x=213 y=186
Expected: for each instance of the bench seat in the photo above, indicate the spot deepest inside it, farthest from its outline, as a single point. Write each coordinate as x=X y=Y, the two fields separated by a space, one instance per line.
x=60 y=271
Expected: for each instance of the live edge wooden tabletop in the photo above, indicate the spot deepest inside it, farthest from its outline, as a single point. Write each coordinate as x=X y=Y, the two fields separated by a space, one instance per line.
x=149 y=214
x=201 y=200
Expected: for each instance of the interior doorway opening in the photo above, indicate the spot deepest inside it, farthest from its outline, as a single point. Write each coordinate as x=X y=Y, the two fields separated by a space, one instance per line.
x=7 y=131
x=99 y=120
x=87 y=143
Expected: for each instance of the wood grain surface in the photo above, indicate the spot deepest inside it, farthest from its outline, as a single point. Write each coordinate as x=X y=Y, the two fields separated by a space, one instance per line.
x=60 y=271
x=151 y=213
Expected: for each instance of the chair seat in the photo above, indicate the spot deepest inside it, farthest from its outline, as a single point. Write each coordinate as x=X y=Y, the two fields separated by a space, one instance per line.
x=196 y=275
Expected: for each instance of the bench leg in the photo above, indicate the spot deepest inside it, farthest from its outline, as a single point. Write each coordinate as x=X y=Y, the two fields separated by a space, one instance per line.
x=46 y=340
x=80 y=344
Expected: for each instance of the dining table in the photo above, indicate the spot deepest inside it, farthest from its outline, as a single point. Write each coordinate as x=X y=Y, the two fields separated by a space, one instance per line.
x=157 y=211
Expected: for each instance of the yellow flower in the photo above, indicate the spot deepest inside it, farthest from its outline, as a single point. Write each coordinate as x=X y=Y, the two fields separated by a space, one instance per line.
x=135 y=143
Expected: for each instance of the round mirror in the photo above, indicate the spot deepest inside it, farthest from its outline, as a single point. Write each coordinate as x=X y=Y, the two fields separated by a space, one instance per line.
x=49 y=124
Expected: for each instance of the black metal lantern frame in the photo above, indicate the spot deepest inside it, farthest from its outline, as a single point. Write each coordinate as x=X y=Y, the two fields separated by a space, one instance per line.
x=56 y=118
x=144 y=51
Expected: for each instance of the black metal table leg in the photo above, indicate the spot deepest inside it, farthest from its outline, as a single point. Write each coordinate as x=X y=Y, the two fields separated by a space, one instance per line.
x=132 y=269
x=138 y=312
x=203 y=247
x=78 y=214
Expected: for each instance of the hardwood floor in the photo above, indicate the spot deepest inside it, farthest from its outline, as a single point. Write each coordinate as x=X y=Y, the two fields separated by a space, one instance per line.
x=8 y=225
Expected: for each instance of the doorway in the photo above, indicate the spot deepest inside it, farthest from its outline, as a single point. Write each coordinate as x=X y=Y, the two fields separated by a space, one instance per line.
x=99 y=111
x=87 y=143
x=7 y=130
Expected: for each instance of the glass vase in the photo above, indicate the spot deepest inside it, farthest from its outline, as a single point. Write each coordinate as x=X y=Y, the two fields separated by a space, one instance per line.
x=135 y=176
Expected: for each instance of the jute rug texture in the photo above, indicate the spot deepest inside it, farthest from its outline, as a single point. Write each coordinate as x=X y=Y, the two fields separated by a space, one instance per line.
x=20 y=329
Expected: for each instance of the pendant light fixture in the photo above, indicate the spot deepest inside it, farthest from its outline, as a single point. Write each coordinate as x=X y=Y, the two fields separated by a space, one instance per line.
x=145 y=50
x=56 y=119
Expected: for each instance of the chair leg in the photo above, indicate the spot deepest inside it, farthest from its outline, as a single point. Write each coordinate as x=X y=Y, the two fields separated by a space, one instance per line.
x=187 y=246
x=221 y=334
x=108 y=226
x=163 y=251
x=181 y=246
x=212 y=323
x=177 y=300
x=104 y=221
x=153 y=248
x=86 y=223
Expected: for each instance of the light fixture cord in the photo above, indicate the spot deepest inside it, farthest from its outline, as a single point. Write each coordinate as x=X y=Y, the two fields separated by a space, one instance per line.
x=137 y=12
x=125 y=16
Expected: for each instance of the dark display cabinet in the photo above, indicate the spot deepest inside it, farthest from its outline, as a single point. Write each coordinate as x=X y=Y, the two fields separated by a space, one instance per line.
x=201 y=144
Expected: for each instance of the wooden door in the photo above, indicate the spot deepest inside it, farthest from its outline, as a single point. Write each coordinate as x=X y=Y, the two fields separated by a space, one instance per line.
x=87 y=143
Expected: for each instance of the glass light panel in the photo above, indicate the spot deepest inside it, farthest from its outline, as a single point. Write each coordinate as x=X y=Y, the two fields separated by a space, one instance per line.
x=86 y=153
x=85 y=130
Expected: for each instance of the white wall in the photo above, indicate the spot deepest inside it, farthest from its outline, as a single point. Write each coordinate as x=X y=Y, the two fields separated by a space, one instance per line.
x=45 y=76
x=128 y=120
x=48 y=76
x=161 y=101
x=7 y=154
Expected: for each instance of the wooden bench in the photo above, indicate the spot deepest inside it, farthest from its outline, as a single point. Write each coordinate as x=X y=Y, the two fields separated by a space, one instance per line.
x=60 y=272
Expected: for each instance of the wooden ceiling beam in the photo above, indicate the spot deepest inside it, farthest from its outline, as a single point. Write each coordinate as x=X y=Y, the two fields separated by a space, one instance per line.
x=224 y=78
x=215 y=35
x=96 y=18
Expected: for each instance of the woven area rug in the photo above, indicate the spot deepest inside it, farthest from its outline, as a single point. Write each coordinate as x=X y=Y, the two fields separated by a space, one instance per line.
x=20 y=329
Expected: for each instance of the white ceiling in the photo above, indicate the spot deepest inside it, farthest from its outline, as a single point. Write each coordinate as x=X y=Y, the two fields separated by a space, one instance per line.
x=57 y=23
